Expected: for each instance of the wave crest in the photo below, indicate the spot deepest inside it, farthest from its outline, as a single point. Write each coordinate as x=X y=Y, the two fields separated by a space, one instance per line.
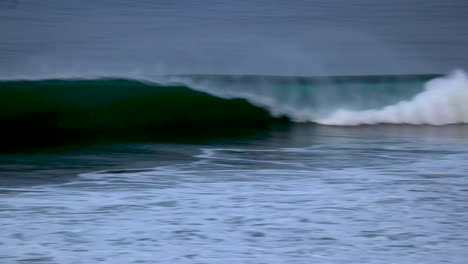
x=50 y=113
x=444 y=101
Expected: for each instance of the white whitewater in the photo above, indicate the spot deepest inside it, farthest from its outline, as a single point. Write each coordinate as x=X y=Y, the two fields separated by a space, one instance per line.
x=444 y=101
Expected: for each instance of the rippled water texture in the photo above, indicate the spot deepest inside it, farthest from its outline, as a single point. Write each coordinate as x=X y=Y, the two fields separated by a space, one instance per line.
x=306 y=195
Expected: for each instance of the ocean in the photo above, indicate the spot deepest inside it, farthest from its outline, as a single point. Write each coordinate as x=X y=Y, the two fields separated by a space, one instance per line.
x=233 y=132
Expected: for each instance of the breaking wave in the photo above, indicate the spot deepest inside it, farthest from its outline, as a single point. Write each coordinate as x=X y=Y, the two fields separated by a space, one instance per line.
x=444 y=101
x=38 y=113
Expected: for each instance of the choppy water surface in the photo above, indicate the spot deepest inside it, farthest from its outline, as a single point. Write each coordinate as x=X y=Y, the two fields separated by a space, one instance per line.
x=308 y=194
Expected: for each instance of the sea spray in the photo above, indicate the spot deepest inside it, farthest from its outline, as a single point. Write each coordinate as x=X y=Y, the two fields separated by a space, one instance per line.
x=55 y=112
x=444 y=101
x=310 y=99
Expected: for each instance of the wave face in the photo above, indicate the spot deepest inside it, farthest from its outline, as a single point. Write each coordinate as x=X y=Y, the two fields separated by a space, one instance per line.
x=45 y=113
x=63 y=111
x=312 y=99
x=351 y=101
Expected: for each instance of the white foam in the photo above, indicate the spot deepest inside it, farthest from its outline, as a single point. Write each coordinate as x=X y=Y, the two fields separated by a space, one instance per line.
x=444 y=101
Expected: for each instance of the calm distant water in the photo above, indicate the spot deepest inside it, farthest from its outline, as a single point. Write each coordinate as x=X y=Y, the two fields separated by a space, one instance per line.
x=304 y=192
x=298 y=37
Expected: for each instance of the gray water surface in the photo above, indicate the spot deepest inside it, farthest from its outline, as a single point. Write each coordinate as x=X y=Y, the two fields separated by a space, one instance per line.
x=297 y=37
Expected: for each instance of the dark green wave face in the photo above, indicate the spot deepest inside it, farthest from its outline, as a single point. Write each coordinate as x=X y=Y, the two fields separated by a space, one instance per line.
x=54 y=113
x=43 y=114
